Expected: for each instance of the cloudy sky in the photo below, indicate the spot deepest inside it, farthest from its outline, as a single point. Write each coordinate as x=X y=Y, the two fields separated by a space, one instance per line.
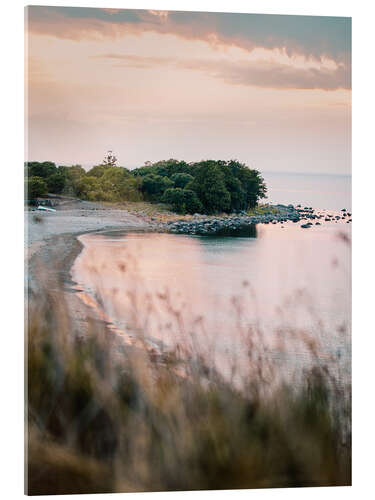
x=272 y=91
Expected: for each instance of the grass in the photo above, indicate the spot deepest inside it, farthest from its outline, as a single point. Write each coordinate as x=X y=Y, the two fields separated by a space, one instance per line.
x=161 y=212
x=262 y=209
x=107 y=418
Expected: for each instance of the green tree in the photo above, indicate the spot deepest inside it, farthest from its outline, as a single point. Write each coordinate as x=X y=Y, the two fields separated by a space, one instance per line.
x=89 y=188
x=118 y=182
x=35 y=187
x=252 y=182
x=209 y=185
x=98 y=170
x=41 y=169
x=74 y=175
x=154 y=185
x=165 y=168
x=56 y=183
x=129 y=189
x=181 y=179
x=175 y=197
x=75 y=172
x=192 y=203
x=182 y=200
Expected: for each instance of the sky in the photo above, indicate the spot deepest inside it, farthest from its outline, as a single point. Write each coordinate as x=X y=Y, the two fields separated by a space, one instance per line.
x=269 y=90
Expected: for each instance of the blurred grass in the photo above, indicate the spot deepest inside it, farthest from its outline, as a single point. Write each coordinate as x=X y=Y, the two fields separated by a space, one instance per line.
x=102 y=418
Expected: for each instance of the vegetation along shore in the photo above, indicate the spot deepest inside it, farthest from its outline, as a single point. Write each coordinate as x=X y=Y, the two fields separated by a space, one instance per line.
x=105 y=416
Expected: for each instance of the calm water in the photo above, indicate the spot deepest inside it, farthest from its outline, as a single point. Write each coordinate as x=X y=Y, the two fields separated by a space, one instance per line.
x=210 y=293
x=332 y=192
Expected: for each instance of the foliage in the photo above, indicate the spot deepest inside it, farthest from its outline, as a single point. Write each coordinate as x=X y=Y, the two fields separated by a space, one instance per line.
x=110 y=159
x=181 y=179
x=210 y=186
x=40 y=169
x=35 y=187
x=154 y=185
x=182 y=200
x=220 y=186
x=165 y=168
x=56 y=183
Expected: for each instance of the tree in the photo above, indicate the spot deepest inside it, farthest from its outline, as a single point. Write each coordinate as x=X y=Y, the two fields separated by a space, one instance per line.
x=75 y=172
x=88 y=187
x=74 y=175
x=110 y=159
x=209 y=185
x=129 y=189
x=165 y=168
x=41 y=169
x=121 y=185
x=154 y=185
x=35 y=187
x=192 y=203
x=181 y=179
x=252 y=182
x=98 y=170
x=56 y=183
x=182 y=200
x=175 y=198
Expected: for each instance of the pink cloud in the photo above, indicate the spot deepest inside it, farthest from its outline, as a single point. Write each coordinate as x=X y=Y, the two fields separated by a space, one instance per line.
x=252 y=73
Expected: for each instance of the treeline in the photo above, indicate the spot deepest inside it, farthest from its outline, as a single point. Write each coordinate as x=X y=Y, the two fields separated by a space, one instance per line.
x=205 y=187
x=100 y=183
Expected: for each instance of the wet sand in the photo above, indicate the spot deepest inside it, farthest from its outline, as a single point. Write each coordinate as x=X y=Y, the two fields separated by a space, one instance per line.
x=51 y=246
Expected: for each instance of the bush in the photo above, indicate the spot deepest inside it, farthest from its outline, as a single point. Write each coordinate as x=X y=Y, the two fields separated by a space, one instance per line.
x=182 y=200
x=209 y=185
x=219 y=186
x=40 y=169
x=192 y=203
x=56 y=183
x=181 y=180
x=154 y=185
x=35 y=187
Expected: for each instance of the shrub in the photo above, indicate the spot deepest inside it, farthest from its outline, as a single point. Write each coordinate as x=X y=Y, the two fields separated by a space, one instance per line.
x=41 y=169
x=181 y=180
x=209 y=185
x=56 y=183
x=154 y=185
x=182 y=200
x=35 y=187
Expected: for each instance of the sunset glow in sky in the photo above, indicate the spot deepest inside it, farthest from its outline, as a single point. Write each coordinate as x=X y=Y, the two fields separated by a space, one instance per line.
x=271 y=91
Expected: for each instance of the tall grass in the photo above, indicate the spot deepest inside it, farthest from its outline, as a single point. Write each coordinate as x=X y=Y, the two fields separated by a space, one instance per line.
x=106 y=417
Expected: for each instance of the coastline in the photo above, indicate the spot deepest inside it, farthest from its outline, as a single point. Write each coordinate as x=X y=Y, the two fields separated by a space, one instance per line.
x=53 y=242
x=52 y=245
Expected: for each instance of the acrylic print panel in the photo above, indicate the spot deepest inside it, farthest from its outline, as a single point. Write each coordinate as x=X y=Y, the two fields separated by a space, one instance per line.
x=188 y=207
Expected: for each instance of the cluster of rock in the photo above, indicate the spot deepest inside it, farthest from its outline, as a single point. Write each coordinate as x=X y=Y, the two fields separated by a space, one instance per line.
x=243 y=224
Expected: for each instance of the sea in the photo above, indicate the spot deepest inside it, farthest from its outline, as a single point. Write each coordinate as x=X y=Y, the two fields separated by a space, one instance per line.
x=321 y=191
x=285 y=291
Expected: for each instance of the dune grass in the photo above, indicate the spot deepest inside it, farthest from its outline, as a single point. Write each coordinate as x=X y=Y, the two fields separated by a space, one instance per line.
x=103 y=417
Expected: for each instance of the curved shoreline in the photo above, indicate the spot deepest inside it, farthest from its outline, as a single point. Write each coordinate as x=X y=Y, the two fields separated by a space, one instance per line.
x=52 y=245
x=53 y=242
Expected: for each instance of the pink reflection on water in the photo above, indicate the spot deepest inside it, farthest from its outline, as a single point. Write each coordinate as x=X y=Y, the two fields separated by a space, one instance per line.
x=210 y=296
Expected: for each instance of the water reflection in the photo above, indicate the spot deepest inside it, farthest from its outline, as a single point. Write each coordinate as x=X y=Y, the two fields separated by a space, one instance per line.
x=244 y=231
x=209 y=291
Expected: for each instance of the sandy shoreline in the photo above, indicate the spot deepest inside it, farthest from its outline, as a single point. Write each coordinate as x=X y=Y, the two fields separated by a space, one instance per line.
x=52 y=245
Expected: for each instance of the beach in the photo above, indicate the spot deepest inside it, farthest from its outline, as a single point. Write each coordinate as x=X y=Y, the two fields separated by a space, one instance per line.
x=51 y=246
x=85 y=236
